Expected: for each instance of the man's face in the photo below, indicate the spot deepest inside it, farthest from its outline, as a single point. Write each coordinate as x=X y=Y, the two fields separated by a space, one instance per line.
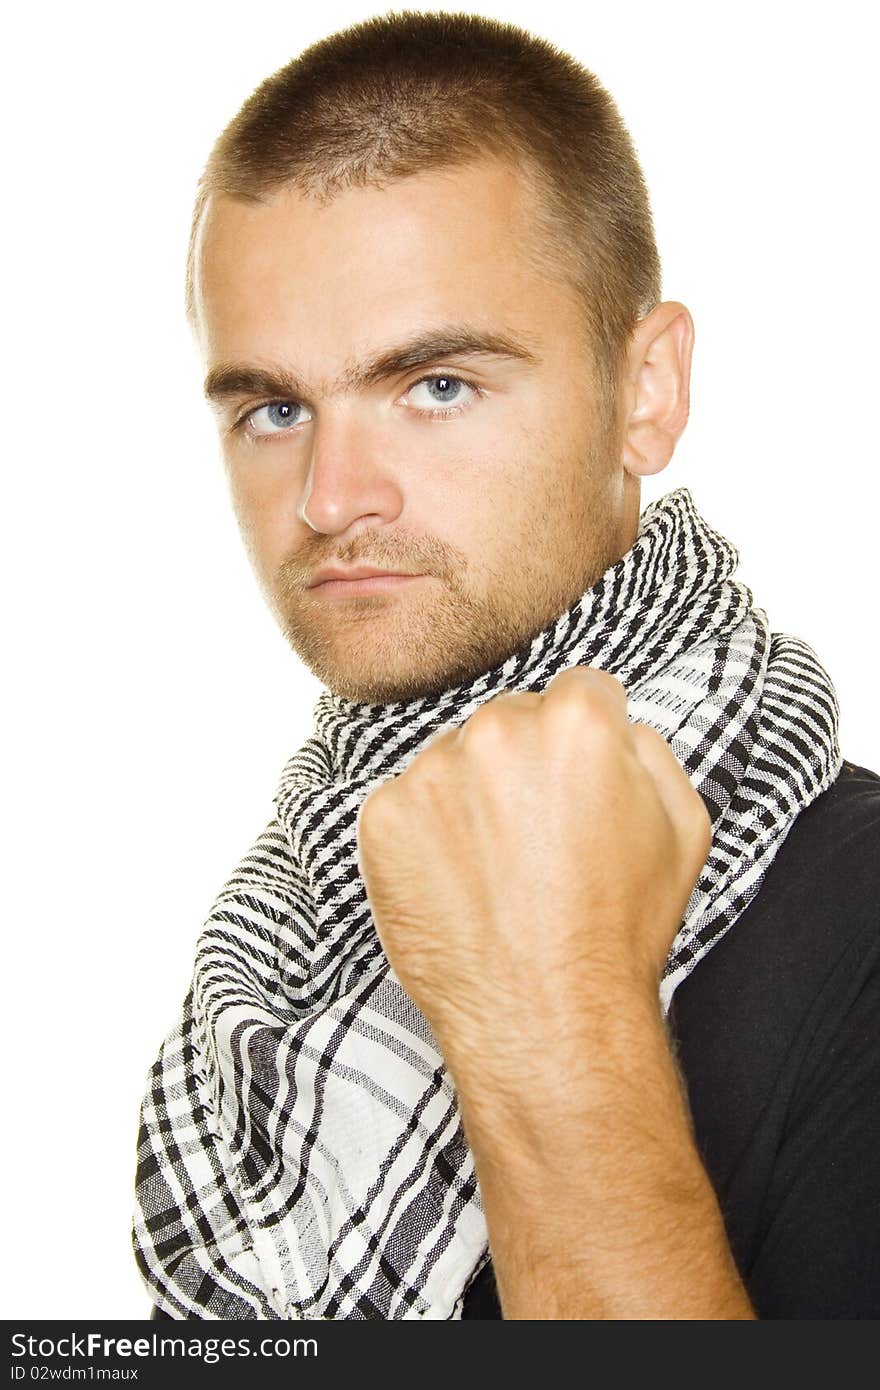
x=507 y=505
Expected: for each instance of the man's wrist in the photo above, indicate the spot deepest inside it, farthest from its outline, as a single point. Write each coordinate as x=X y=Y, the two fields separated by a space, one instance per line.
x=565 y=1072
x=596 y=1198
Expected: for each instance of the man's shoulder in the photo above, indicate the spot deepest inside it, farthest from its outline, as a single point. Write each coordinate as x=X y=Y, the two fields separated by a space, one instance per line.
x=819 y=896
x=840 y=825
x=822 y=888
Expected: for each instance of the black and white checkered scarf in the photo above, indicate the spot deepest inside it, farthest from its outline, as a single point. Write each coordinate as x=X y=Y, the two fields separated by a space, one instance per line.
x=300 y=1153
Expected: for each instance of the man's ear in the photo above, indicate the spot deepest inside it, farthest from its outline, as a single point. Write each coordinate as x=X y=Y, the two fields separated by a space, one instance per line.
x=656 y=388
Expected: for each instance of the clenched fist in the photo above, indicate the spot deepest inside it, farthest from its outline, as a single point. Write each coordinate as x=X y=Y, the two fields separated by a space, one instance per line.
x=531 y=865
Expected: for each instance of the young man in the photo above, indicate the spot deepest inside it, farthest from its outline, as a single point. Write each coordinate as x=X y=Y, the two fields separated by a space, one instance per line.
x=550 y=989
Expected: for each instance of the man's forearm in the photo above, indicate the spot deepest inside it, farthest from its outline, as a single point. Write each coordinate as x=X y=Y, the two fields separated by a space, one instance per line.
x=597 y=1203
x=506 y=893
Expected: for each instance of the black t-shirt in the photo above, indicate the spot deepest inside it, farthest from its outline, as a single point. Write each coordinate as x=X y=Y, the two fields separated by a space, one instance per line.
x=777 y=1033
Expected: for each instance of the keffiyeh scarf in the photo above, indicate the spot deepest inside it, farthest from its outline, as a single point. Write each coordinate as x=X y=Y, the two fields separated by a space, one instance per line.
x=300 y=1152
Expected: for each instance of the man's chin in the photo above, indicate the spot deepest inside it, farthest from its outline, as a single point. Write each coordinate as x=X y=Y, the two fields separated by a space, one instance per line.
x=379 y=690
x=389 y=683
x=373 y=663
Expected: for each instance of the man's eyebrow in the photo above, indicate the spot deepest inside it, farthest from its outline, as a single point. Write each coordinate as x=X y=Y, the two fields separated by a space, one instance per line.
x=246 y=379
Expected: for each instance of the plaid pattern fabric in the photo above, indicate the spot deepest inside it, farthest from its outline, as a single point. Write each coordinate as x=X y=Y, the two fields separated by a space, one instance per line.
x=300 y=1152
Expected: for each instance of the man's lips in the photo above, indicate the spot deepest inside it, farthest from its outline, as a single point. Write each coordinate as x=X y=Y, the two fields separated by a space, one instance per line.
x=348 y=572
x=359 y=579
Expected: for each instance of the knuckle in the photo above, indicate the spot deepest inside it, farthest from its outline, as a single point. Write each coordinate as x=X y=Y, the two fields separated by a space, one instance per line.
x=427 y=758
x=610 y=682
x=589 y=686
x=375 y=810
x=487 y=728
x=574 y=703
x=430 y=772
x=591 y=720
x=643 y=734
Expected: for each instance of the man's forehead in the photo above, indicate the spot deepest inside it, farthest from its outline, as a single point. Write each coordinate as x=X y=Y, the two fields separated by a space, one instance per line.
x=339 y=296
x=484 y=209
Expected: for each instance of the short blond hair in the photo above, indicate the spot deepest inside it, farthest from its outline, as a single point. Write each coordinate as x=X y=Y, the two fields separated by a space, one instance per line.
x=407 y=91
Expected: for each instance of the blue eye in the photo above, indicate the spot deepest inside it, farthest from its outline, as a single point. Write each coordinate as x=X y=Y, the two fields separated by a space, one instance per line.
x=276 y=417
x=444 y=391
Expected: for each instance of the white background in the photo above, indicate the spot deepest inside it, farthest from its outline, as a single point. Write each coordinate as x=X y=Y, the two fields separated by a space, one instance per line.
x=150 y=700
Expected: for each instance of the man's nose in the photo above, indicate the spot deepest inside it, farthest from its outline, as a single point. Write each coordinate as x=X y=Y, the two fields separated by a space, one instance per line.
x=350 y=476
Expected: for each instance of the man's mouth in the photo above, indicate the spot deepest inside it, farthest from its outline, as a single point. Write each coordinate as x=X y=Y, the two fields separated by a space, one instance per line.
x=367 y=584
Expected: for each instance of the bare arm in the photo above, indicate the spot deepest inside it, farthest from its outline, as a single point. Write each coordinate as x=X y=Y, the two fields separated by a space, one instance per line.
x=527 y=875
x=597 y=1202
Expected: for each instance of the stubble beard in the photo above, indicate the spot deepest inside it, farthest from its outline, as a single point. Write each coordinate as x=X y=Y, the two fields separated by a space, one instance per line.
x=386 y=649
